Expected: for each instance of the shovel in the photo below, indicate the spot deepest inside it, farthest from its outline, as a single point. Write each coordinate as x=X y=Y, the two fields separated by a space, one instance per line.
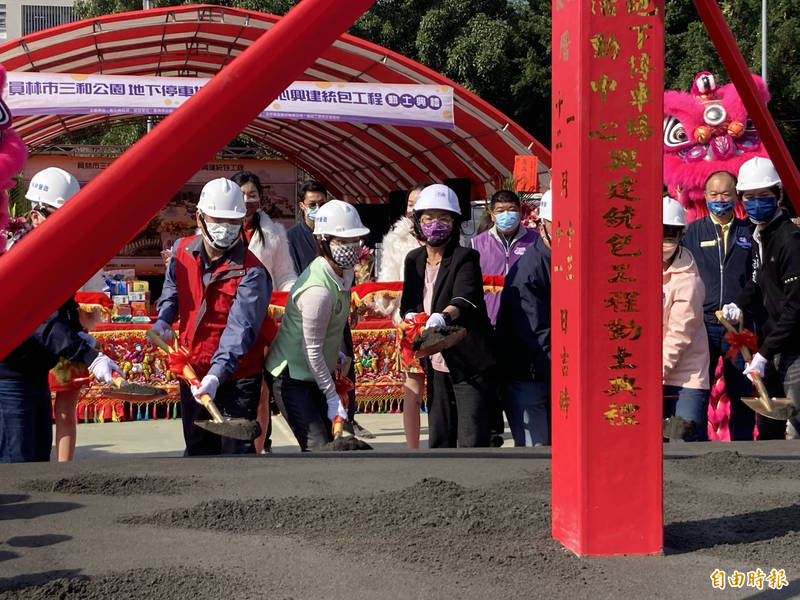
x=234 y=428
x=340 y=441
x=136 y=392
x=125 y=390
x=779 y=409
x=435 y=339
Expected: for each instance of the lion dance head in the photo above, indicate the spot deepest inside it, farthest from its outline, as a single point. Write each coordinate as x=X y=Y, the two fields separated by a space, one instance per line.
x=706 y=130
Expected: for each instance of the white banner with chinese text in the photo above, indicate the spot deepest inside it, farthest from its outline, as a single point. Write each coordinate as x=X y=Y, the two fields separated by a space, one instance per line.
x=29 y=93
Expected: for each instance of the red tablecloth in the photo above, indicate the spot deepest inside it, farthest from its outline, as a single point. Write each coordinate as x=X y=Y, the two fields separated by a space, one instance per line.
x=379 y=382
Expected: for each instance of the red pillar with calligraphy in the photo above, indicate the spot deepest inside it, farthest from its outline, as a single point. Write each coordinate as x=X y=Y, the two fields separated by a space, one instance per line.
x=608 y=62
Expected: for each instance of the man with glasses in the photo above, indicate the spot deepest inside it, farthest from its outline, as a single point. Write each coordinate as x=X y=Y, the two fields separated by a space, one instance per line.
x=721 y=245
x=503 y=244
x=302 y=246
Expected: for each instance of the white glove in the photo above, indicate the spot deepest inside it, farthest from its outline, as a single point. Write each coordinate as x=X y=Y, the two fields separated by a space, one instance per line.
x=732 y=313
x=435 y=320
x=208 y=385
x=409 y=316
x=757 y=365
x=336 y=408
x=164 y=330
x=90 y=339
x=341 y=359
x=103 y=369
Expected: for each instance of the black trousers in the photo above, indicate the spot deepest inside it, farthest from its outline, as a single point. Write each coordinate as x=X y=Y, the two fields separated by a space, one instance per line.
x=347 y=348
x=304 y=407
x=235 y=398
x=458 y=413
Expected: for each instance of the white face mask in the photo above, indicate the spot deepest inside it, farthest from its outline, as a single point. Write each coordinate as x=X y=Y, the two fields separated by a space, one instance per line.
x=222 y=235
x=346 y=255
x=669 y=249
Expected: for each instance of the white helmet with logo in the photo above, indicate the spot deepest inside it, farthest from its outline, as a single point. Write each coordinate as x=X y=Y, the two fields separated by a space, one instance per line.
x=546 y=206
x=52 y=186
x=674 y=214
x=339 y=219
x=437 y=196
x=222 y=199
x=757 y=173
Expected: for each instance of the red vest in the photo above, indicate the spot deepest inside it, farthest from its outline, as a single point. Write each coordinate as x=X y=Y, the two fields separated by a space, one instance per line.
x=204 y=312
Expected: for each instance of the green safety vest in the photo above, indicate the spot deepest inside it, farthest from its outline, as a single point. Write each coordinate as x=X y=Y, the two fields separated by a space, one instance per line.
x=287 y=347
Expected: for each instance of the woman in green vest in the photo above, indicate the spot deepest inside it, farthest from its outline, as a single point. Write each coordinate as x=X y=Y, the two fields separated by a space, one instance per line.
x=306 y=349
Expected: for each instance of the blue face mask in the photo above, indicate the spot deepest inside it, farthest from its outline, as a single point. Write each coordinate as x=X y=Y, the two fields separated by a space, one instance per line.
x=761 y=210
x=311 y=213
x=720 y=208
x=506 y=221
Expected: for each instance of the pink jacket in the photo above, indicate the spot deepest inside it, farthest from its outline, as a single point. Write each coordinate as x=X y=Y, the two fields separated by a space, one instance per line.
x=685 y=345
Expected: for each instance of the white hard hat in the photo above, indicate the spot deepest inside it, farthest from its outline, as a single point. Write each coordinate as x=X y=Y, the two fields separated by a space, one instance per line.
x=546 y=206
x=757 y=173
x=340 y=219
x=222 y=199
x=674 y=214
x=52 y=186
x=437 y=196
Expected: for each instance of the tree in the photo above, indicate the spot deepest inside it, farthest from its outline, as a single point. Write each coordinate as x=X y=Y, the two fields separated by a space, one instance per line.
x=501 y=49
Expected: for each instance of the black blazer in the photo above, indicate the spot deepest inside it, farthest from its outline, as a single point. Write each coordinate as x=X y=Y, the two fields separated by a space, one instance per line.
x=459 y=283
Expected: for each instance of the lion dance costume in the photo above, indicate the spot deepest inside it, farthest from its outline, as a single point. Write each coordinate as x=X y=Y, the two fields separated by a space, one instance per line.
x=707 y=130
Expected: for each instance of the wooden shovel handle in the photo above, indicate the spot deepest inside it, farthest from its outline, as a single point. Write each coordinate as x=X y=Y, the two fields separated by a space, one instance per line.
x=191 y=376
x=188 y=374
x=747 y=356
x=156 y=340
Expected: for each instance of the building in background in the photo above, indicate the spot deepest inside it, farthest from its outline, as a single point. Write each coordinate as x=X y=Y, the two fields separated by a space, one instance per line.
x=21 y=17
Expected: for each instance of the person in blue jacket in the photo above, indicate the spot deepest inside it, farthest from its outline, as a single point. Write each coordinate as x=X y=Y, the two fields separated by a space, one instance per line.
x=302 y=246
x=722 y=246
x=523 y=342
x=26 y=429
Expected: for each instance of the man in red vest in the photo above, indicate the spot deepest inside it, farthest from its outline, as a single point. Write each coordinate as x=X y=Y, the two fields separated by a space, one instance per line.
x=220 y=291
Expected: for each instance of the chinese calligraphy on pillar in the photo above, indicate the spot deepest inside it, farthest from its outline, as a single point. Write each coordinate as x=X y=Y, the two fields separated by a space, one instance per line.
x=607 y=91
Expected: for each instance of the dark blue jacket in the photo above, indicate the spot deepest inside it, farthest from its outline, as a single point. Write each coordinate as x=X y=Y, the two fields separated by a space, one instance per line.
x=57 y=336
x=523 y=322
x=302 y=245
x=772 y=297
x=724 y=273
x=39 y=352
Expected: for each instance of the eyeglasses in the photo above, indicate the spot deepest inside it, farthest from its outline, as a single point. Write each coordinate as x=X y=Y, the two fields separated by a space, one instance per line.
x=444 y=219
x=313 y=205
x=42 y=209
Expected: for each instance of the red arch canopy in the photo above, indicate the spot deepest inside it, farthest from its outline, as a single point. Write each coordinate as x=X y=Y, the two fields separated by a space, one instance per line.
x=358 y=162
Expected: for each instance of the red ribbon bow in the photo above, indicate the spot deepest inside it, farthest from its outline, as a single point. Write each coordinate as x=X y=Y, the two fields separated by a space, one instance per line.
x=177 y=361
x=745 y=339
x=343 y=385
x=409 y=329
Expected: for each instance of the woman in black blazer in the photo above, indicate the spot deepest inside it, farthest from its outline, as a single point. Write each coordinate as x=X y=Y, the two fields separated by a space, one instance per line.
x=444 y=280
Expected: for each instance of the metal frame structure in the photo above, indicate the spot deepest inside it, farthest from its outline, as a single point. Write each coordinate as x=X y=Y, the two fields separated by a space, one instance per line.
x=358 y=162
